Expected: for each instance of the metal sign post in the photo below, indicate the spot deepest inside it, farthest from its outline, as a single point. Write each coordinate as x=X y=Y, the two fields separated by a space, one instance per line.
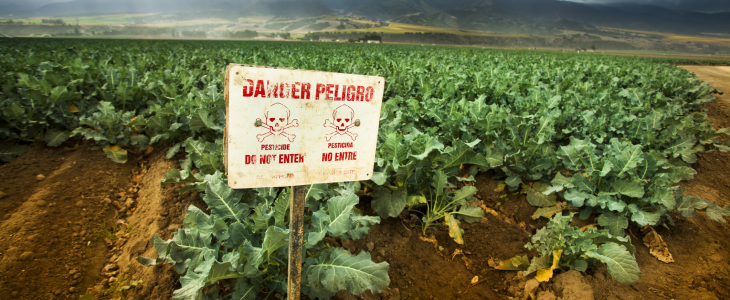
x=294 y=128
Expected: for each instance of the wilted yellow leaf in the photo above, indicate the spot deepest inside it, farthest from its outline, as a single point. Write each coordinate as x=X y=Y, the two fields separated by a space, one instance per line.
x=543 y=275
x=584 y=228
x=73 y=109
x=547 y=212
x=415 y=200
x=457 y=252
x=489 y=210
x=517 y=263
x=455 y=232
x=500 y=187
x=467 y=262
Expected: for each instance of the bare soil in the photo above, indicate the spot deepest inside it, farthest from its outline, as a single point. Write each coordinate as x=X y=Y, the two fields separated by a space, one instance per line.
x=52 y=246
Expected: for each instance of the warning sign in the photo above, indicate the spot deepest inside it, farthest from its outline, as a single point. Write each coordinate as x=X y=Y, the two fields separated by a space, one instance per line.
x=292 y=127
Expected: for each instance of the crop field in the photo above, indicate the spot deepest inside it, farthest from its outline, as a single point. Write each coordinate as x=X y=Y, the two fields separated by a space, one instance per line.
x=678 y=37
x=499 y=174
x=403 y=28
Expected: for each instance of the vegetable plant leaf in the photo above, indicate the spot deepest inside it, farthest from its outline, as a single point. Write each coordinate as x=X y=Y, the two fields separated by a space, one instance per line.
x=629 y=188
x=547 y=212
x=544 y=274
x=455 y=232
x=224 y=201
x=387 y=203
x=615 y=223
x=14 y=112
x=116 y=154
x=643 y=218
x=246 y=289
x=470 y=213
x=536 y=197
x=340 y=212
x=517 y=263
x=621 y=264
x=335 y=269
x=8 y=152
x=274 y=239
x=717 y=213
x=55 y=138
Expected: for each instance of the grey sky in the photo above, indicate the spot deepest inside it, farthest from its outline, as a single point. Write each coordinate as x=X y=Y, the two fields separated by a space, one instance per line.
x=692 y=5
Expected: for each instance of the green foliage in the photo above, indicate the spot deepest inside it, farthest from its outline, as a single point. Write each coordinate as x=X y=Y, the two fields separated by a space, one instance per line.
x=7 y=153
x=243 y=242
x=582 y=248
x=336 y=269
x=627 y=128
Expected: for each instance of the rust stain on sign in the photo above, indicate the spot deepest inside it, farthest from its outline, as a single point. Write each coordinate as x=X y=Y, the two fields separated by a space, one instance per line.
x=292 y=127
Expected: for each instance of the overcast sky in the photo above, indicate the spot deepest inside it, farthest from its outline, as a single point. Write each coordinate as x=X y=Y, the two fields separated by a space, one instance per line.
x=692 y=5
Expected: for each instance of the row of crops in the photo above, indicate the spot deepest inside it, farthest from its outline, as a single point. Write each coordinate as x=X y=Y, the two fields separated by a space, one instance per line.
x=609 y=135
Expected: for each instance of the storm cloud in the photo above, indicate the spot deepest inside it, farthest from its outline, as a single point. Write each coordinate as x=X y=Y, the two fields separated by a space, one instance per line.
x=706 y=6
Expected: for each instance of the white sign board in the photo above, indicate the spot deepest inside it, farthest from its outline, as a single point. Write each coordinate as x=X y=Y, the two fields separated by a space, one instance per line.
x=292 y=127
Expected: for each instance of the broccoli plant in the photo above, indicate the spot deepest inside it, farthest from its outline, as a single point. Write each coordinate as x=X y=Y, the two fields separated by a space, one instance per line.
x=242 y=244
x=564 y=247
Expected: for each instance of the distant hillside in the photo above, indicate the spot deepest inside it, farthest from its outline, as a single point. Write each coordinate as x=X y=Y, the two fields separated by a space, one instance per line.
x=537 y=17
x=524 y=15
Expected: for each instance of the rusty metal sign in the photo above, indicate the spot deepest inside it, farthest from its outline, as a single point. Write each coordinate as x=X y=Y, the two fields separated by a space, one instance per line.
x=289 y=127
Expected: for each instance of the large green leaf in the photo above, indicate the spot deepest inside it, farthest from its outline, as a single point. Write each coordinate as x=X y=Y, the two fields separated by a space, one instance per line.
x=642 y=218
x=628 y=157
x=688 y=205
x=430 y=145
x=55 y=138
x=14 y=112
x=629 y=188
x=461 y=153
x=274 y=239
x=470 y=214
x=222 y=200
x=340 y=212
x=393 y=148
x=615 y=223
x=281 y=207
x=7 y=153
x=246 y=289
x=116 y=154
x=190 y=248
x=621 y=264
x=536 y=197
x=335 y=269
x=206 y=274
x=717 y=213
x=200 y=119
x=360 y=225
x=387 y=203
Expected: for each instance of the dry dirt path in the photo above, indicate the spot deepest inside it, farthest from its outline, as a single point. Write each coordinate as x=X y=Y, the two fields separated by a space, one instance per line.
x=51 y=240
x=47 y=246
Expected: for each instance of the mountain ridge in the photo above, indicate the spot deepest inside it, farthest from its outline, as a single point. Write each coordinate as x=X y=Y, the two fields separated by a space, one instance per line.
x=511 y=16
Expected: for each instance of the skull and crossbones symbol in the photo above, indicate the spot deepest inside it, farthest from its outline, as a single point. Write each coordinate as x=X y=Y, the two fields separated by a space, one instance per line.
x=342 y=121
x=277 y=121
